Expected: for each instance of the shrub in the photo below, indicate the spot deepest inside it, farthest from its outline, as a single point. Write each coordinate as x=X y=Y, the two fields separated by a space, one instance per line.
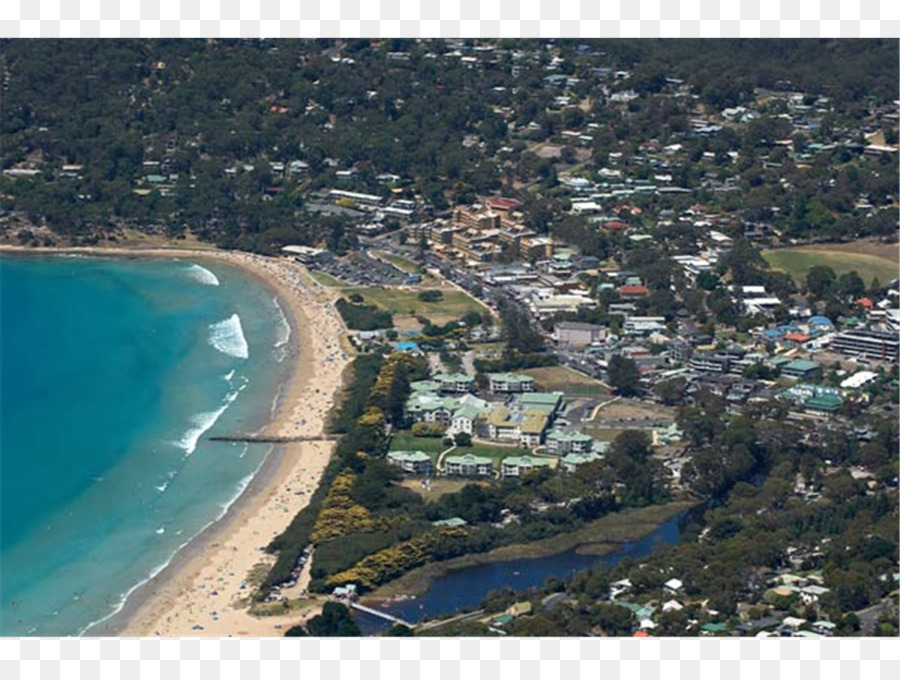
x=431 y=296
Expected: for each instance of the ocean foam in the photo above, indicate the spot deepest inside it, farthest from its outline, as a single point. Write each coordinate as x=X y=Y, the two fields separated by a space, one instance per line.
x=284 y=328
x=202 y=422
x=202 y=275
x=225 y=507
x=228 y=337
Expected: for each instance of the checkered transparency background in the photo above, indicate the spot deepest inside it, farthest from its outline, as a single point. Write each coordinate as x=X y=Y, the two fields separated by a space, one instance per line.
x=450 y=659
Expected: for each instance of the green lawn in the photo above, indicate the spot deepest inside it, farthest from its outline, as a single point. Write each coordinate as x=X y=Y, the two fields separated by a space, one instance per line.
x=454 y=303
x=798 y=261
x=604 y=434
x=327 y=280
x=405 y=441
x=401 y=262
x=497 y=453
x=564 y=379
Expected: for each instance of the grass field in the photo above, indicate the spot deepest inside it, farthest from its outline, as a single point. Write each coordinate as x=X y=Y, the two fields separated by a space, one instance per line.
x=405 y=441
x=327 y=280
x=400 y=262
x=497 y=453
x=881 y=263
x=439 y=487
x=564 y=379
x=622 y=409
x=604 y=434
x=455 y=303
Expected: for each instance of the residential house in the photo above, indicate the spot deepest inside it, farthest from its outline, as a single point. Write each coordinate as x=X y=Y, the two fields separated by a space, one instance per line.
x=571 y=461
x=468 y=465
x=561 y=443
x=707 y=362
x=643 y=325
x=577 y=334
x=464 y=419
x=454 y=383
x=802 y=369
x=517 y=466
x=508 y=383
x=423 y=407
x=413 y=462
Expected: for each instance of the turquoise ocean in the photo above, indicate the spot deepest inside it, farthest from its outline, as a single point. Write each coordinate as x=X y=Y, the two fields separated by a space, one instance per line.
x=114 y=373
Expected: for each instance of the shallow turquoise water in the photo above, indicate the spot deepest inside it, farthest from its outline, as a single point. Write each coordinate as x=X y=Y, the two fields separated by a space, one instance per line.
x=113 y=374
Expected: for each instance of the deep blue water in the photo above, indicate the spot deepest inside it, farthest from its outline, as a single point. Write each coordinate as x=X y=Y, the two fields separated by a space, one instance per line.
x=465 y=588
x=113 y=374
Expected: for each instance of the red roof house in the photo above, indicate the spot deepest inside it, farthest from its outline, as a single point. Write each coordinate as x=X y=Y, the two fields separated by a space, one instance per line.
x=633 y=291
x=503 y=203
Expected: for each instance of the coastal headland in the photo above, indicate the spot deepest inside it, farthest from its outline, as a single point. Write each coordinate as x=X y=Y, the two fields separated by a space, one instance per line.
x=205 y=590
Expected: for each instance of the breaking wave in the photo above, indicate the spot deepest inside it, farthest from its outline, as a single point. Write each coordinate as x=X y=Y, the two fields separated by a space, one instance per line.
x=201 y=422
x=228 y=337
x=202 y=275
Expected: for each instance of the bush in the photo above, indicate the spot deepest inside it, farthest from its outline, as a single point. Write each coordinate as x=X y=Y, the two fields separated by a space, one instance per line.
x=431 y=296
x=334 y=621
x=428 y=429
x=363 y=317
x=463 y=439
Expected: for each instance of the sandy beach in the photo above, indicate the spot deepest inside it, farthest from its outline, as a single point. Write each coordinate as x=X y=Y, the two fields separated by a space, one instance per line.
x=203 y=592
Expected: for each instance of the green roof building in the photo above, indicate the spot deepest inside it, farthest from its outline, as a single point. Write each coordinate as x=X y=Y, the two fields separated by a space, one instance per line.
x=468 y=465
x=825 y=403
x=516 y=466
x=561 y=443
x=450 y=522
x=413 y=462
x=428 y=407
x=802 y=369
x=505 y=383
x=714 y=628
x=545 y=401
x=454 y=383
x=571 y=461
x=425 y=386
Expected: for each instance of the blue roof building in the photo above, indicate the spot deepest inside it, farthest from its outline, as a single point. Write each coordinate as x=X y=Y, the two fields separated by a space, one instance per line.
x=411 y=347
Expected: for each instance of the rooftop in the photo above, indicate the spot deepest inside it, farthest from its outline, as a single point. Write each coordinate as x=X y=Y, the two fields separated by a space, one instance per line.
x=560 y=436
x=409 y=456
x=453 y=377
x=467 y=459
x=526 y=461
x=801 y=365
x=511 y=377
x=540 y=398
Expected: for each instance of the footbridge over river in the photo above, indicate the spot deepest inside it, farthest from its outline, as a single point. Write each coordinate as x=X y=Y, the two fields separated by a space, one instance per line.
x=380 y=614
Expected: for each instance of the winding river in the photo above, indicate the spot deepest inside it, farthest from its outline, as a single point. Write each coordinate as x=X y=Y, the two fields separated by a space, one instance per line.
x=466 y=587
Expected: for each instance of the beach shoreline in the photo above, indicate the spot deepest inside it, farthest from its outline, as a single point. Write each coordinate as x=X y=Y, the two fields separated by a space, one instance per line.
x=201 y=590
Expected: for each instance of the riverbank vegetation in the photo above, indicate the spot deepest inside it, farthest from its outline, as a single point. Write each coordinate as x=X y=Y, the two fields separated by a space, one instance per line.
x=600 y=536
x=736 y=553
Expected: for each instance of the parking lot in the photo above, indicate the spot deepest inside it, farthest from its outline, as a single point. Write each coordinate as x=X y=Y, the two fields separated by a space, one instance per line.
x=359 y=269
